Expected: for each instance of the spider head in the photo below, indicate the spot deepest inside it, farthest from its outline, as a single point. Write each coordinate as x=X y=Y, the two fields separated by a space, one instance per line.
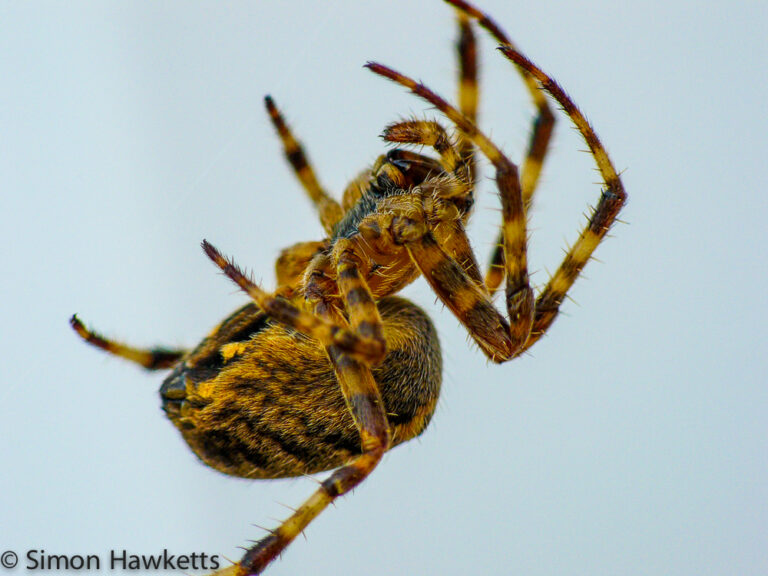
x=401 y=170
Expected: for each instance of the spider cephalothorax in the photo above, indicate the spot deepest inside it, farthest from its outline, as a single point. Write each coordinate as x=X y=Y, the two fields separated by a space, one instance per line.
x=332 y=369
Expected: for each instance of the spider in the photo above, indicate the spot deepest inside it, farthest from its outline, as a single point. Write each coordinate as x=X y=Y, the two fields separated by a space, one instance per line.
x=332 y=369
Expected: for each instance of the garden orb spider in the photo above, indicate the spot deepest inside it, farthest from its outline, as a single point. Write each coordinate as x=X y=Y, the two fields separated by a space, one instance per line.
x=332 y=369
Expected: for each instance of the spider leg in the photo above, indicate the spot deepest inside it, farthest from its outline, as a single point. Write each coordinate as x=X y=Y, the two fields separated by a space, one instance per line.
x=150 y=358
x=460 y=160
x=468 y=90
x=468 y=302
x=452 y=237
x=538 y=144
x=613 y=197
x=402 y=222
x=364 y=316
x=544 y=120
x=328 y=333
x=329 y=210
x=519 y=295
x=364 y=402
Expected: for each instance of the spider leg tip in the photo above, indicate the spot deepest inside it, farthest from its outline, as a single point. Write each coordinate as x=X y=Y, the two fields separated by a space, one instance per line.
x=380 y=69
x=208 y=248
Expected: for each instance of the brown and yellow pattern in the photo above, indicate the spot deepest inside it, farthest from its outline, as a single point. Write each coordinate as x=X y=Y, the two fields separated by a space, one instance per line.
x=332 y=369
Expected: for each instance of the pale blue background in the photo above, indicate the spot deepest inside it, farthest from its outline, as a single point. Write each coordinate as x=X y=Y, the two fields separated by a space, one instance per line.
x=632 y=440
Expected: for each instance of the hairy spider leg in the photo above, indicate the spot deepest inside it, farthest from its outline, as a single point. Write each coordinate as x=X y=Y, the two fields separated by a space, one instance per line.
x=363 y=398
x=543 y=124
x=360 y=392
x=501 y=341
x=468 y=93
x=403 y=222
x=544 y=120
x=612 y=198
x=158 y=358
x=328 y=333
x=364 y=317
x=460 y=159
x=329 y=210
x=450 y=234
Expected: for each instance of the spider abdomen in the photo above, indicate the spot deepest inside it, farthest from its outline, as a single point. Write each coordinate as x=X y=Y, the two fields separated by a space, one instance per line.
x=259 y=400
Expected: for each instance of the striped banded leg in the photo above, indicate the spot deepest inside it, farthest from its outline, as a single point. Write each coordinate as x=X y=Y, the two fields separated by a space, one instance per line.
x=364 y=402
x=538 y=145
x=447 y=226
x=329 y=210
x=453 y=238
x=469 y=303
x=328 y=333
x=519 y=295
x=603 y=216
x=468 y=91
x=150 y=358
x=364 y=319
x=401 y=222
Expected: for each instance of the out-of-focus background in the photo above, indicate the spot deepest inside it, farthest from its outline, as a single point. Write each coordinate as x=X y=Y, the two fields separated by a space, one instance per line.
x=632 y=440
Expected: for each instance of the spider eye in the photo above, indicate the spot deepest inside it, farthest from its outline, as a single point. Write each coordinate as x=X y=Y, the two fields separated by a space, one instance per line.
x=395 y=157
